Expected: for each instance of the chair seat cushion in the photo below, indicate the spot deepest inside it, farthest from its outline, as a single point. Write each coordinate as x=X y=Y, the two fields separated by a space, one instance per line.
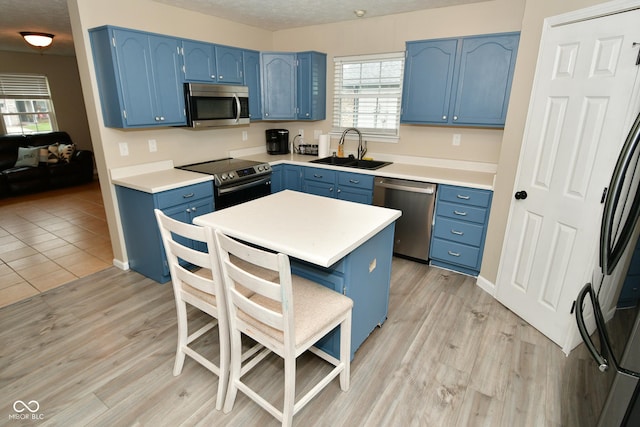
x=314 y=308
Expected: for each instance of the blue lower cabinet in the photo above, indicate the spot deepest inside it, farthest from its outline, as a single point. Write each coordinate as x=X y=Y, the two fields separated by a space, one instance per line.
x=460 y=228
x=353 y=187
x=364 y=276
x=145 y=252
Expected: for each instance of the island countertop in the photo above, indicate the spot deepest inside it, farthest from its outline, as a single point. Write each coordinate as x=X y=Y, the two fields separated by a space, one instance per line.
x=315 y=229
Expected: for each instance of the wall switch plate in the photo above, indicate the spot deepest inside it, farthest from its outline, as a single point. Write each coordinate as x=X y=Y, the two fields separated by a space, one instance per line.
x=244 y=135
x=124 y=148
x=456 y=139
x=301 y=133
x=153 y=146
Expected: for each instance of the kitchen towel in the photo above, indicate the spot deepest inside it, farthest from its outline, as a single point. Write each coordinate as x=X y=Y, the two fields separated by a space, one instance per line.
x=323 y=146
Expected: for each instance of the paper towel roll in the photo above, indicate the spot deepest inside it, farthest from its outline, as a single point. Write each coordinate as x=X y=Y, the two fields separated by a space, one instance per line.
x=323 y=146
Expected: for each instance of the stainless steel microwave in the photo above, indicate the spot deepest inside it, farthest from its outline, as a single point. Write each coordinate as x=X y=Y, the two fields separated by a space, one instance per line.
x=211 y=105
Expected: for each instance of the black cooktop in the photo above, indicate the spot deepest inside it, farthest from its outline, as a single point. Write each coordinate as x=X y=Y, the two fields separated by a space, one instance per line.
x=219 y=166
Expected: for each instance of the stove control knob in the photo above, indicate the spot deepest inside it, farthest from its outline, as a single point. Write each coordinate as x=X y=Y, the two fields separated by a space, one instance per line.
x=231 y=175
x=260 y=168
x=224 y=177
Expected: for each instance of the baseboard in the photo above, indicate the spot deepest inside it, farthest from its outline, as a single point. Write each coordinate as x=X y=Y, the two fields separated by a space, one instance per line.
x=486 y=286
x=122 y=265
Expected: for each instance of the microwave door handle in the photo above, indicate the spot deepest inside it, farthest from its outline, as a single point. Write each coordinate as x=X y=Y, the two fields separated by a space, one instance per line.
x=237 y=107
x=603 y=364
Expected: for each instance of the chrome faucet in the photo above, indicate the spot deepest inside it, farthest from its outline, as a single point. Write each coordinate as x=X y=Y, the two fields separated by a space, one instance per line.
x=362 y=149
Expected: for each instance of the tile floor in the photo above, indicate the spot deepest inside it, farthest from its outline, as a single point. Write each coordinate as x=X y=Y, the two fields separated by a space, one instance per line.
x=51 y=238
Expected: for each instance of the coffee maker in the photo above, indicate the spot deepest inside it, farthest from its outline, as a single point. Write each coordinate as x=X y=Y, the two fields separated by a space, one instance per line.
x=277 y=141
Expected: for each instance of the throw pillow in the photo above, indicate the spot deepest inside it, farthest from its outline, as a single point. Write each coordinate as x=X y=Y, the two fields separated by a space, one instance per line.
x=53 y=153
x=27 y=156
x=65 y=151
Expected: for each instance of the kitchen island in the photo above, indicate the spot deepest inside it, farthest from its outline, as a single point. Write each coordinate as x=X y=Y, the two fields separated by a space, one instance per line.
x=345 y=246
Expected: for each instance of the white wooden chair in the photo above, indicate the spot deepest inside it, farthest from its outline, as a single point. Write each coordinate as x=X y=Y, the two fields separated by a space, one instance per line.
x=202 y=289
x=287 y=315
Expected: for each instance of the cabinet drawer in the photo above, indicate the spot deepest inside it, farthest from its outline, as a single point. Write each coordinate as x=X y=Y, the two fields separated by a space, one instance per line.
x=316 y=174
x=465 y=196
x=458 y=231
x=184 y=194
x=455 y=253
x=461 y=212
x=356 y=180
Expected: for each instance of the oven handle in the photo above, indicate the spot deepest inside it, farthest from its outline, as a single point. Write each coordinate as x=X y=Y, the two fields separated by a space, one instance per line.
x=238 y=187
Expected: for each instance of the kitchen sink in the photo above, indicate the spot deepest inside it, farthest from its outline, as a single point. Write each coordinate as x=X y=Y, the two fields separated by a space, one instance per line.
x=351 y=162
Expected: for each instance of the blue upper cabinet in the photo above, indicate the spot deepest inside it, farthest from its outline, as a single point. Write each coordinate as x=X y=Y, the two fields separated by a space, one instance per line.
x=294 y=85
x=229 y=62
x=251 y=63
x=312 y=81
x=211 y=63
x=428 y=79
x=139 y=78
x=199 y=62
x=278 y=85
x=459 y=82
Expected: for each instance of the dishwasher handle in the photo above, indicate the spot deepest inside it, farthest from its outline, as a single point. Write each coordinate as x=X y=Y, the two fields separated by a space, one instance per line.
x=405 y=186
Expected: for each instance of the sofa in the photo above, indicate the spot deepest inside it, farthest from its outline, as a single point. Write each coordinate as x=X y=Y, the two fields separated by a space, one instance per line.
x=39 y=162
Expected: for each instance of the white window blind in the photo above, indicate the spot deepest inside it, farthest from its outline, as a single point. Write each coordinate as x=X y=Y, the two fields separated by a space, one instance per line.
x=368 y=94
x=25 y=104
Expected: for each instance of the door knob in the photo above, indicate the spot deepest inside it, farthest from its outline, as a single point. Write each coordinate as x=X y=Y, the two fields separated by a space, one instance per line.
x=521 y=195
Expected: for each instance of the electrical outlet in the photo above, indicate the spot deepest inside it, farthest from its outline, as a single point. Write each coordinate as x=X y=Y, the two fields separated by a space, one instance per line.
x=124 y=148
x=244 y=135
x=456 y=139
x=153 y=147
x=301 y=133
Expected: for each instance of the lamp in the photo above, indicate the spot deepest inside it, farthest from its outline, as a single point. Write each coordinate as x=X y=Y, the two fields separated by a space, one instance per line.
x=37 y=40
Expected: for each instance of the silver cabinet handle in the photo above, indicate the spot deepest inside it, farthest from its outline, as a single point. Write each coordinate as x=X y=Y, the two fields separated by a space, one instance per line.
x=315 y=175
x=193 y=209
x=187 y=196
x=354 y=181
x=455 y=117
x=221 y=77
x=460 y=213
x=457 y=233
x=188 y=209
x=453 y=253
x=460 y=196
x=444 y=117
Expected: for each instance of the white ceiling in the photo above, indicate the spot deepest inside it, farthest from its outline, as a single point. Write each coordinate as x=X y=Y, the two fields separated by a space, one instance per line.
x=51 y=16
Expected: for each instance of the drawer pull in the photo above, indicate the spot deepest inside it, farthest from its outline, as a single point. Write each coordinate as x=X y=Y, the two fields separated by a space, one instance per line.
x=457 y=233
x=453 y=253
x=315 y=175
x=354 y=181
x=460 y=196
x=187 y=196
x=460 y=213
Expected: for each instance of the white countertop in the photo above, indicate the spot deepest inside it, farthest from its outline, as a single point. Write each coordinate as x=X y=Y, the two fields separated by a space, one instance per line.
x=156 y=177
x=316 y=229
x=462 y=176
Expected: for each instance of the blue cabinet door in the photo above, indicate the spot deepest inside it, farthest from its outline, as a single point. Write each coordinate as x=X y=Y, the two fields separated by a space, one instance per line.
x=229 y=64
x=277 y=183
x=167 y=78
x=292 y=177
x=428 y=81
x=251 y=64
x=134 y=71
x=278 y=86
x=199 y=61
x=312 y=78
x=484 y=83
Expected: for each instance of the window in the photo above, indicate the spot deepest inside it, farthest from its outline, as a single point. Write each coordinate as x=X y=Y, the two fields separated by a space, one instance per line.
x=367 y=94
x=25 y=104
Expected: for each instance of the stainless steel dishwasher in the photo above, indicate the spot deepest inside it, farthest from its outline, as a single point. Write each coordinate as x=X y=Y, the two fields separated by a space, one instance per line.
x=416 y=200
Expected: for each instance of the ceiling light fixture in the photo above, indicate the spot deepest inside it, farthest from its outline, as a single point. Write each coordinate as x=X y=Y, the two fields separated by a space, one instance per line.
x=37 y=40
x=359 y=12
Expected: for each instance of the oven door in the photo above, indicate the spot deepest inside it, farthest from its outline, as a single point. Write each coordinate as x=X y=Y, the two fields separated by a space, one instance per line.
x=225 y=196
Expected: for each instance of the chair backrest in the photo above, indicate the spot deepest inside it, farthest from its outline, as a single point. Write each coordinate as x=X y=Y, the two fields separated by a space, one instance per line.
x=275 y=307
x=177 y=238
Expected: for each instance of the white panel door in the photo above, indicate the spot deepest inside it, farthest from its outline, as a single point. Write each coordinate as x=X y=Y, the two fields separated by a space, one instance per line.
x=576 y=126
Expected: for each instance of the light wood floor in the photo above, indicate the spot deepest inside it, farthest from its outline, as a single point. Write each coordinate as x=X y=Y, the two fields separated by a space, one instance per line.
x=50 y=238
x=99 y=351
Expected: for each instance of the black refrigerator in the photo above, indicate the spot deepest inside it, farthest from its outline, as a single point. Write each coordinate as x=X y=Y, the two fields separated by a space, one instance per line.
x=615 y=343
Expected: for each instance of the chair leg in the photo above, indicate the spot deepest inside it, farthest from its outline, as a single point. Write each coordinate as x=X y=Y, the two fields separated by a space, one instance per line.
x=345 y=352
x=289 y=390
x=223 y=378
x=183 y=335
x=234 y=370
